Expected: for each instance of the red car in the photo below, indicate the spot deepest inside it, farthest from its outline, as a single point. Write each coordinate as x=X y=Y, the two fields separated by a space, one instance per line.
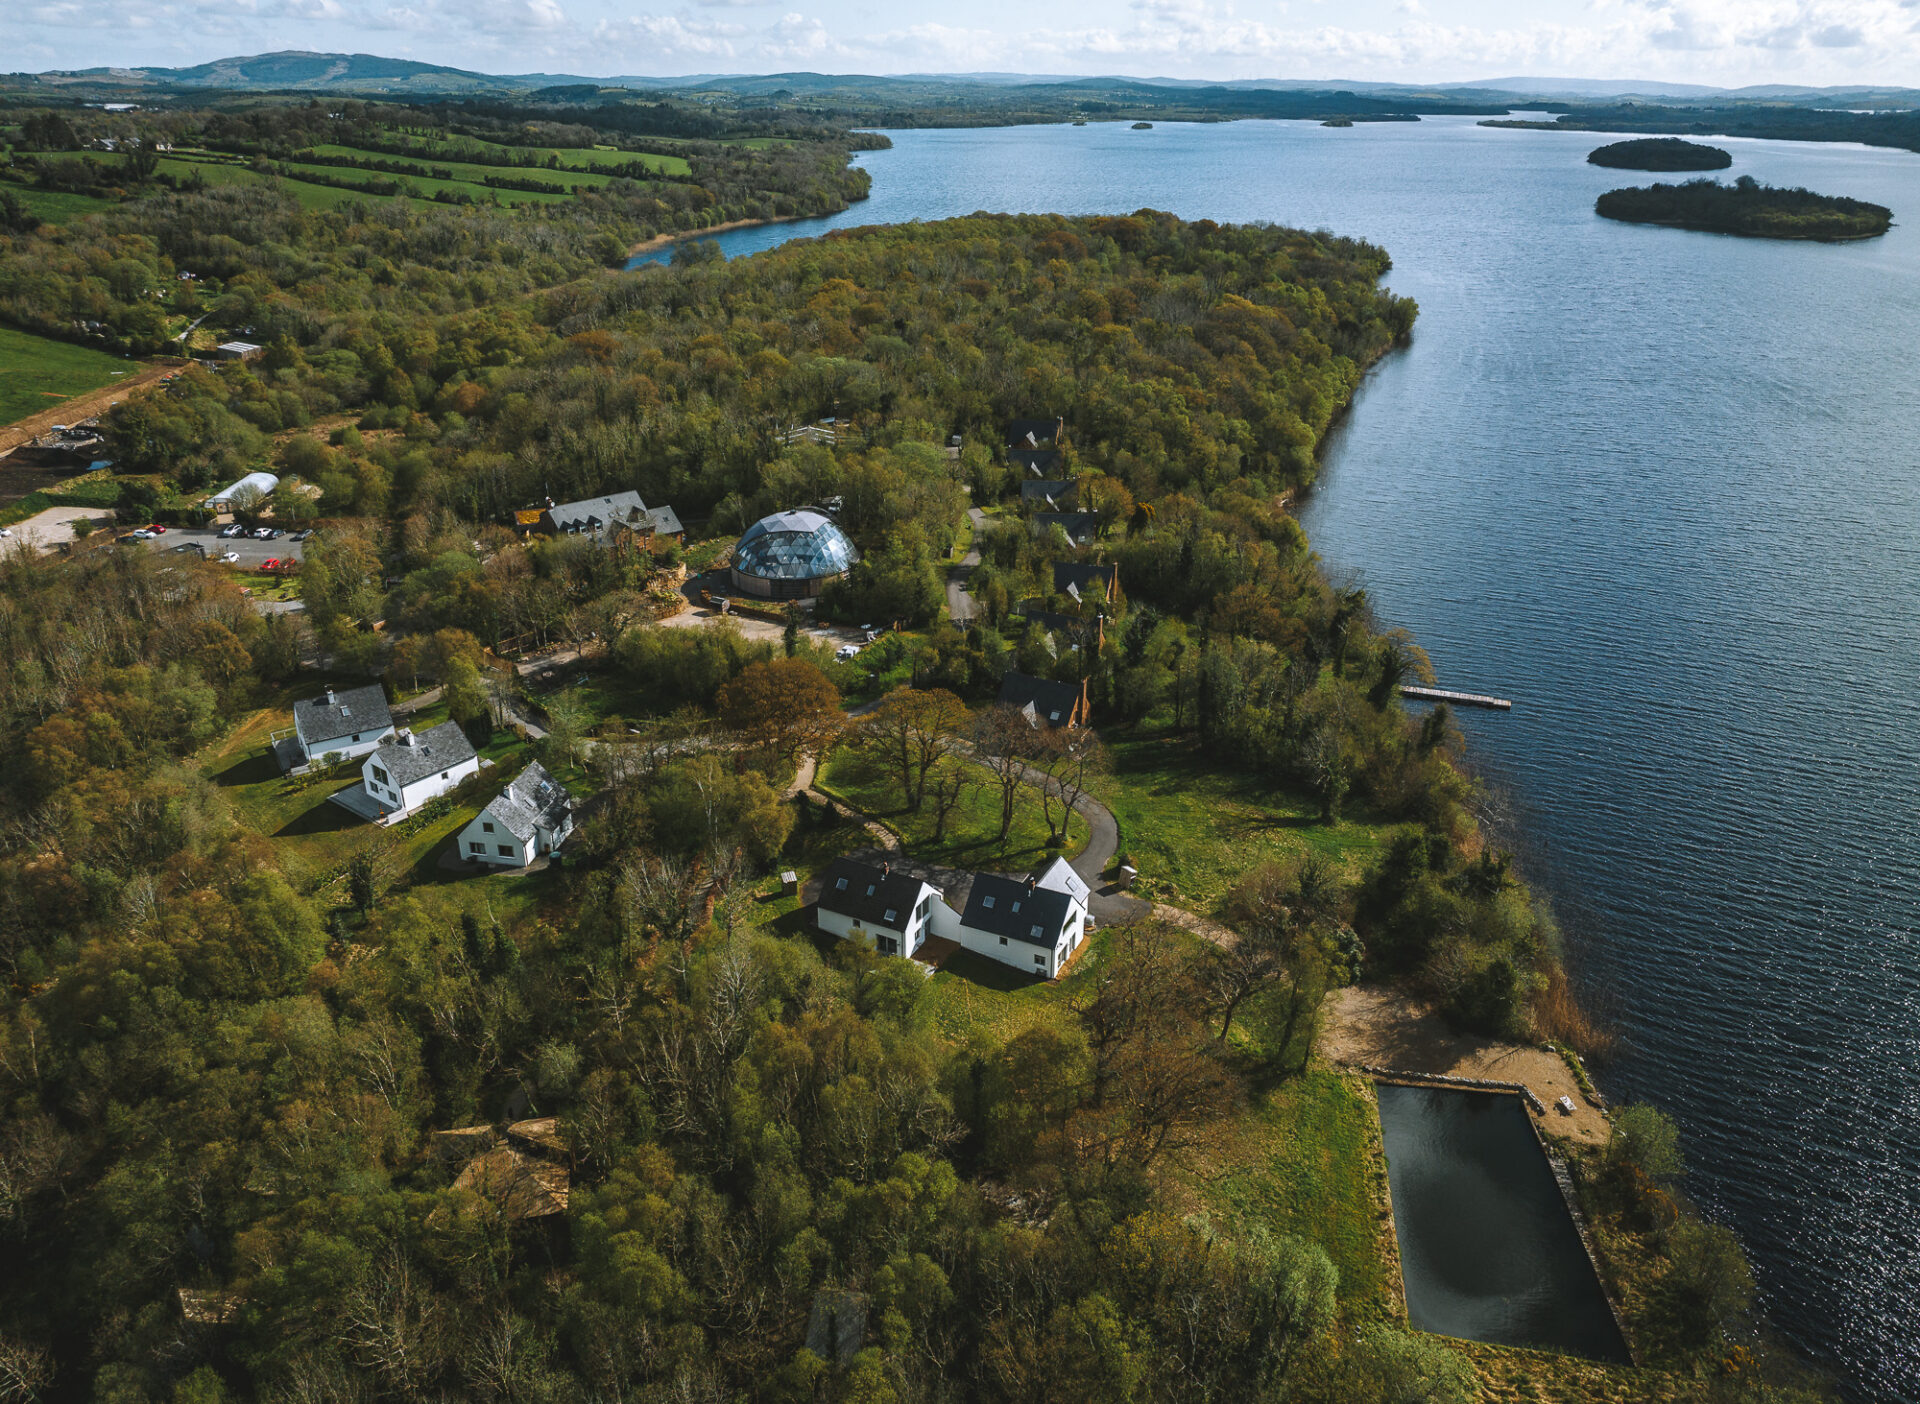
x=273 y=564
x=156 y=529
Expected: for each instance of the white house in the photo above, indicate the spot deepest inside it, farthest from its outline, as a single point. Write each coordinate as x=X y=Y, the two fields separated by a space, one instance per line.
x=1033 y=923
x=343 y=722
x=531 y=817
x=412 y=768
x=893 y=910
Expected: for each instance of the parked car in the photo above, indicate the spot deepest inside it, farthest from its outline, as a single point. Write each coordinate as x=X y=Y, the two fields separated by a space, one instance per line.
x=273 y=563
x=231 y=557
x=262 y=533
x=229 y=531
x=302 y=534
x=156 y=529
x=846 y=651
x=275 y=534
x=141 y=535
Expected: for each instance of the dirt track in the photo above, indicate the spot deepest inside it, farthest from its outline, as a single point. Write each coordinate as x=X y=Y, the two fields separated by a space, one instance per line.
x=93 y=402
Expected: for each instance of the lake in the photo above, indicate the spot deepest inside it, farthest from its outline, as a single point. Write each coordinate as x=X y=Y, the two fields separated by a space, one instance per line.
x=1663 y=489
x=1488 y=1251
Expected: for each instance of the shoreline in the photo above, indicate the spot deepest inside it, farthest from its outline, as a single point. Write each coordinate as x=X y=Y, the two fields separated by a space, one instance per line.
x=667 y=241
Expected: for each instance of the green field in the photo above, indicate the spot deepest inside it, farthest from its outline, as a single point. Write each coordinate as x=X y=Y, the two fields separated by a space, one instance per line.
x=58 y=206
x=37 y=374
x=532 y=160
x=1193 y=832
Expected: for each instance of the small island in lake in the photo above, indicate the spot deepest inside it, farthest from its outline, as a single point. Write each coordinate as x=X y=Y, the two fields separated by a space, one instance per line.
x=1338 y=122
x=1749 y=209
x=1143 y=126
x=1660 y=154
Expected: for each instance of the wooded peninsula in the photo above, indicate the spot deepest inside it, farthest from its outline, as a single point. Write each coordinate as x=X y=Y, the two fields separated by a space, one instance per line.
x=301 y=1101
x=1749 y=209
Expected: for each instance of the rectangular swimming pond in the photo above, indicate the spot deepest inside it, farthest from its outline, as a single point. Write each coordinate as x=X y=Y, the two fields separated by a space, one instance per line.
x=1488 y=1250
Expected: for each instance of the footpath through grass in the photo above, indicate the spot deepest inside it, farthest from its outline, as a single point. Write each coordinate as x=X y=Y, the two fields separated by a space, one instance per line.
x=37 y=373
x=1193 y=830
x=972 y=838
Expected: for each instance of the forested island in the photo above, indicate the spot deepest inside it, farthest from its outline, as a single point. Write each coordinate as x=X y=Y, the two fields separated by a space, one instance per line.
x=1749 y=209
x=1660 y=154
x=296 y=1109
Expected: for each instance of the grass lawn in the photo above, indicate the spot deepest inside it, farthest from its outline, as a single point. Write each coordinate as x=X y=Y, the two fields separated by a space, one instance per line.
x=37 y=373
x=972 y=839
x=1303 y=1160
x=59 y=206
x=973 y=996
x=1194 y=829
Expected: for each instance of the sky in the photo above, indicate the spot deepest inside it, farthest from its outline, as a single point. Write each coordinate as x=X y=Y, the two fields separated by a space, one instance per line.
x=1727 y=43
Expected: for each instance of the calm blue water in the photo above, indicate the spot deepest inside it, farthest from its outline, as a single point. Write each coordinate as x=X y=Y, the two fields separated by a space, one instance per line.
x=1487 y=1249
x=1664 y=489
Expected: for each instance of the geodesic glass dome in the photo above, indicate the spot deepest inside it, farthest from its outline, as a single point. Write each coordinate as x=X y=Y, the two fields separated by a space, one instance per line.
x=801 y=545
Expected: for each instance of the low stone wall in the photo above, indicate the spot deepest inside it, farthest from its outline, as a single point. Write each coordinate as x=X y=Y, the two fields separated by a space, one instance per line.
x=1443 y=1080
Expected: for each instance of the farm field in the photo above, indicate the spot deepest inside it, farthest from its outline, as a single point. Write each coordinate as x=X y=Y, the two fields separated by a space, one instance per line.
x=36 y=373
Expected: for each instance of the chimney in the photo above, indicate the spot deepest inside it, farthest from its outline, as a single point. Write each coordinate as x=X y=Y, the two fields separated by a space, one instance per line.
x=406 y=736
x=886 y=869
x=1032 y=882
x=329 y=696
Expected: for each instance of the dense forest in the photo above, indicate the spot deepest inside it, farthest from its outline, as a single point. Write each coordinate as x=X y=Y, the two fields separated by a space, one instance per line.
x=1766 y=121
x=1660 y=154
x=1748 y=208
x=258 y=1068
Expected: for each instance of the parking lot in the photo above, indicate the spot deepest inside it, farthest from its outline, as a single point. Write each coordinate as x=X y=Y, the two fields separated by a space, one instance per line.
x=252 y=553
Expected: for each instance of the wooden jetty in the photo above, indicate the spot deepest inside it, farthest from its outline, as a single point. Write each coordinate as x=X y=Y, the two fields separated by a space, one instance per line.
x=1456 y=699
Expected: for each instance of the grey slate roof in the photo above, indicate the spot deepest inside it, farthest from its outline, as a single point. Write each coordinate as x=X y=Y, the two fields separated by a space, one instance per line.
x=1031 y=433
x=1085 y=576
x=592 y=516
x=1032 y=460
x=1060 y=876
x=342 y=712
x=534 y=799
x=1055 y=494
x=437 y=749
x=1079 y=526
x=666 y=522
x=1052 y=702
x=1007 y=906
x=866 y=893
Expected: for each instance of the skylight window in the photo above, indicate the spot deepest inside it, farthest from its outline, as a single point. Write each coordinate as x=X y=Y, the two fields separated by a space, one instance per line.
x=840 y=885
x=1036 y=933
x=987 y=902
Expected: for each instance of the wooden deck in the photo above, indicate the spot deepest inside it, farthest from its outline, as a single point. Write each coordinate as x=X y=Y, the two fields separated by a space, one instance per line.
x=1456 y=699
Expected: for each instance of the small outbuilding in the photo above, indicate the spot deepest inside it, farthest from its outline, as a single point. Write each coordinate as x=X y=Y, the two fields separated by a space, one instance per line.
x=252 y=488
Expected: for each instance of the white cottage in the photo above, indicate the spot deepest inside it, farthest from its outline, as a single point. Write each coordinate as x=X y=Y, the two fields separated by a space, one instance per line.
x=343 y=722
x=412 y=768
x=531 y=817
x=1033 y=923
x=894 y=910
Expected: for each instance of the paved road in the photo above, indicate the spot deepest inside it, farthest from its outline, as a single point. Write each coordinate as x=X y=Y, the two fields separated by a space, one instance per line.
x=960 y=604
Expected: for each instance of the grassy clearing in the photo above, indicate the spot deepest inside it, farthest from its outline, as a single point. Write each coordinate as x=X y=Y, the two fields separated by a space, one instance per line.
x=533 y=159
x=972 y=839
x=37 y=373
x=59 y=206
x=1193 y=831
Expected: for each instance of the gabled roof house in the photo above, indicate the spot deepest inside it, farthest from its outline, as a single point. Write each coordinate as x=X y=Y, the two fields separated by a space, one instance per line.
x=1081 y=527
x=342 y=722
x=1051 y=494
x=532 y=817
x=1035 y=433
x=1044 y=701
x=893 y=909
x=411 y=768
x=1087 y=580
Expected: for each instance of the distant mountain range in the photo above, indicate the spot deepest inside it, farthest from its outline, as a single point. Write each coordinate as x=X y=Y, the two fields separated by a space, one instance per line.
x=373 y=75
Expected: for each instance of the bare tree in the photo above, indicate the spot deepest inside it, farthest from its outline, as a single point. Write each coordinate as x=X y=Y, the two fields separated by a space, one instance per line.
x=1006 y=742
x=1071 y=766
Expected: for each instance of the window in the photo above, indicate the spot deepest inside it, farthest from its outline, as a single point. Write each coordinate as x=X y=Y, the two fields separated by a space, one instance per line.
x=476 y=848
x=1053 y=716
x=1036 y=933
x=892 y=914
x=1039 y=960
x=840 y=885
x=987 y=902
x=1003 y=940
x=356 y=736
x=443 y=775
x=486 y=828
x=380 y=775
x=1016 y=906
x=506 y=850
x=870 y=888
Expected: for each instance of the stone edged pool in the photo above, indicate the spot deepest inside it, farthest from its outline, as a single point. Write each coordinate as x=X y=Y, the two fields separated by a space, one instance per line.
x=1488 y=1249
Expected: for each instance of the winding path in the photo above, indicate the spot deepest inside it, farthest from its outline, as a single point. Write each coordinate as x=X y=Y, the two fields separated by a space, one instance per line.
x=960 y=604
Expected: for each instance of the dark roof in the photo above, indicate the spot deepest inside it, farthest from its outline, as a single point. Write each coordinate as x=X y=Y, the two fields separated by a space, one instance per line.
x=1066 y=623
x=1006 y=906
x=1081 y=574
x=534 y=799
x=865 y=893
x=1051 y=492
x=440 y=748
x=1031 y=433
x=1032 y=460
x=342 y=712
x=1052 y=702
x=592 y=516
x=665 y=521
x=1078 y=525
